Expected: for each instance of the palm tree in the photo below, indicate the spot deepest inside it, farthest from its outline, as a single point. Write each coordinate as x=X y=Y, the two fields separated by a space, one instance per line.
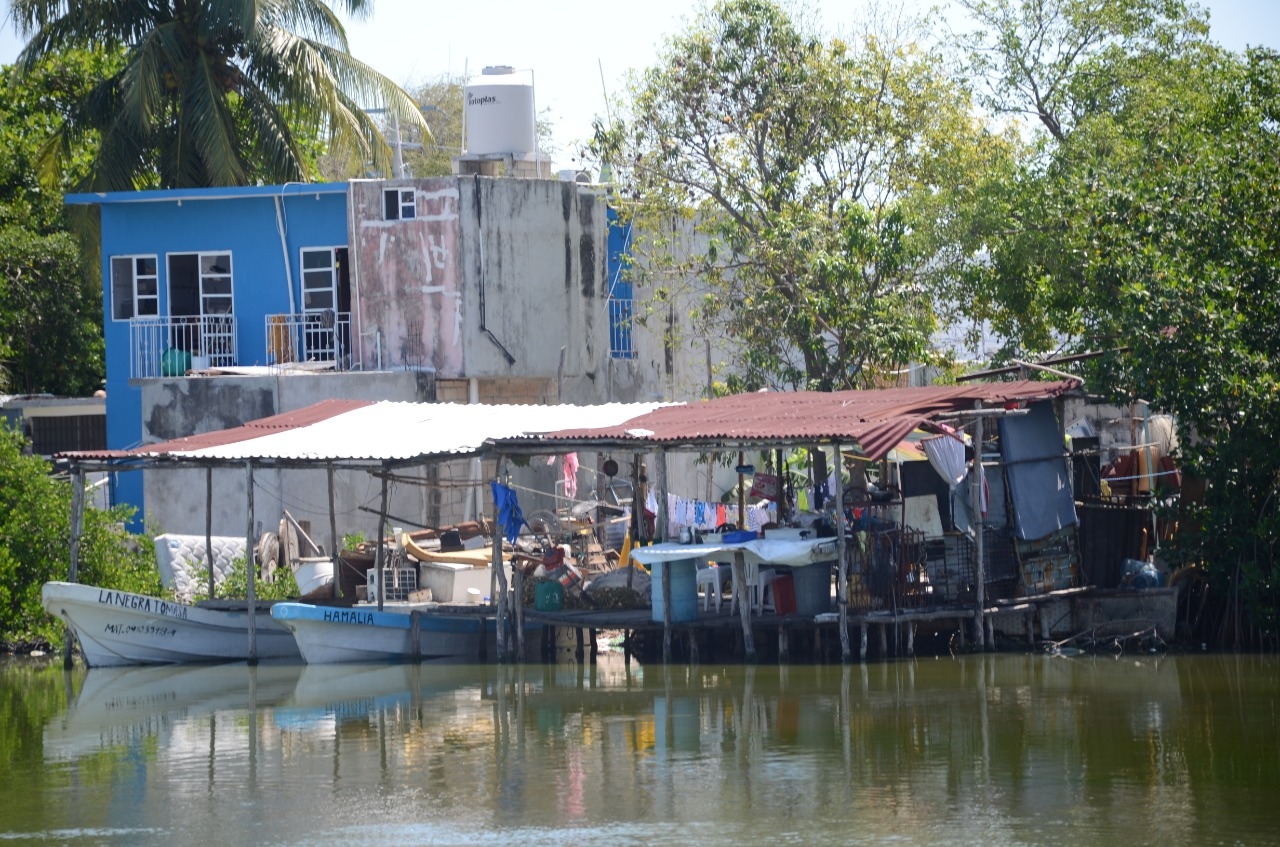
x=212 y=92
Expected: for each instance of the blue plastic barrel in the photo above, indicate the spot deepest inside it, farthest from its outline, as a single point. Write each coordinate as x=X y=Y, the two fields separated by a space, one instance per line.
x=684 y=589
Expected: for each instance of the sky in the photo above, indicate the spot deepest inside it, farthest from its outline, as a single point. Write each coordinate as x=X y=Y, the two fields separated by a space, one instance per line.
x=578 y=50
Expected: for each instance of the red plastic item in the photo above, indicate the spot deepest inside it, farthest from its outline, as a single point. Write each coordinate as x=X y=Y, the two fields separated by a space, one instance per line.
x=784 y=594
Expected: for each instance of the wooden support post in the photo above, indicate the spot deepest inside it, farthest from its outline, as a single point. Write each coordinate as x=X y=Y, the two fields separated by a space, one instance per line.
x=334 y=546
x=253 y=611
x=484 y=639
x=1029 y=623
x=545 y=645
x=77 y=529
x=842 y=566
x=975 y=503
x=579 y=653
x=744 y=604
x=911 y=638
x=784 y=645
x=692 y=641
x=660 y=468
x=595 y=647
x=862 y=647
x=208 y=530
x=517 y=579
x=1044 y=623
x=991 y=633
x=415 y=635
x=884 y=641
x=380 y=558
x=509 y=606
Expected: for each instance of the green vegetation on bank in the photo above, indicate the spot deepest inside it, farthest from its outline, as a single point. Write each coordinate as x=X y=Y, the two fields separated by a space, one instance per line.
x=35 y=546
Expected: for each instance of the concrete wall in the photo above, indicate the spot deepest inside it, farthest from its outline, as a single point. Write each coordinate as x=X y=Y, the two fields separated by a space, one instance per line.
x=176 y=499
x=490 y=279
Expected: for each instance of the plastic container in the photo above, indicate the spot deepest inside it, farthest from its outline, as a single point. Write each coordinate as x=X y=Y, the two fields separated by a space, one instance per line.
x=738 y=536
x=812 y=584
x=174 y=362
x=684 y=589
x=313 y=573
x=548 y=596
x=784 y=594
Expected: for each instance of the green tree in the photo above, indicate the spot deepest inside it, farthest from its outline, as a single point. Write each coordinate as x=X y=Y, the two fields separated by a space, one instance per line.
x=50 y=299
x=214 y=92
x=826 y=182
x=1150 y=221
x=35 y=544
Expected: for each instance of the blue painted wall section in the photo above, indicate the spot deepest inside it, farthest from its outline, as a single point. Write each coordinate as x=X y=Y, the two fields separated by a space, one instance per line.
x=620 y=291
x=264 y=228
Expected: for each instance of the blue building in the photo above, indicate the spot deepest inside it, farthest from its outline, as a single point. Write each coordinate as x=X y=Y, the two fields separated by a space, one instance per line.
x=221 y=278
x=478 y=288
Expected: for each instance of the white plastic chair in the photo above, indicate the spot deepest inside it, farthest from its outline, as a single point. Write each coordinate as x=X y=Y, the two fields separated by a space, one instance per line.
x=710 y=583
x=759 y=585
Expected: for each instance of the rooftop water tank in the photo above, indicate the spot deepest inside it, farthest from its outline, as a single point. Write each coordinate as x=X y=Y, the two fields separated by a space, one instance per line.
x=500 y=112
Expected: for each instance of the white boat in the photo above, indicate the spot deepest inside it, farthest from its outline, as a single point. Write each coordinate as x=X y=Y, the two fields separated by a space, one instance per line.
x=363 y=634
x=121 y=628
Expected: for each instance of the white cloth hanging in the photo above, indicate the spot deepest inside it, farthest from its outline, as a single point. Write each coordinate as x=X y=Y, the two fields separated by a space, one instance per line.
x=946 y=456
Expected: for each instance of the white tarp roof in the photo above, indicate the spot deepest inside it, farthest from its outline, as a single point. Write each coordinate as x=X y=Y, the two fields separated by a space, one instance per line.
x=396 y=431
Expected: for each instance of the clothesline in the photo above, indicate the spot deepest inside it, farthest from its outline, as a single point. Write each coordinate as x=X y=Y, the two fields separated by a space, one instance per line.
x=703 y=515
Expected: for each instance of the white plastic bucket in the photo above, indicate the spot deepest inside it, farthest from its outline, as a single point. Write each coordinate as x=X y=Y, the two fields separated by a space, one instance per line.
x=313 y=573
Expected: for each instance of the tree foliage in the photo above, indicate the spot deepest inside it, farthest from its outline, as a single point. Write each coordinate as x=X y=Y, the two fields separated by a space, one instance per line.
x=1151 y=221
x=50 y=298
x=825 y=180
x=35 y=544
x=214 y=92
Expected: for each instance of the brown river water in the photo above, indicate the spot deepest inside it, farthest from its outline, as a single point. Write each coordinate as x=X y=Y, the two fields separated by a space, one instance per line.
x=982 y=750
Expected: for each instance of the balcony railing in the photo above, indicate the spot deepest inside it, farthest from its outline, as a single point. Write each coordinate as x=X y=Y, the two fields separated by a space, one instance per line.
x=310 y=337
x=621 y=315
x=173 y=345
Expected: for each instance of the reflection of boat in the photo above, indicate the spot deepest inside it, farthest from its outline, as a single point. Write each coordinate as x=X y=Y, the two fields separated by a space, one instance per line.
x=119 y=628
x=364 y=634
x=329 y=694
x=126 y=704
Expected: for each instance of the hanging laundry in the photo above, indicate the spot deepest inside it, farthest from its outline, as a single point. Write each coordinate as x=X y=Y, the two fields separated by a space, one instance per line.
x=509 y=514
x=571 y=475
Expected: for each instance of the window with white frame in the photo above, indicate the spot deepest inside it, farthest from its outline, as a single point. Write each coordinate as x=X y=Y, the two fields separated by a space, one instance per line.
x=135 y=290
x=398 y=204
x=319 y=280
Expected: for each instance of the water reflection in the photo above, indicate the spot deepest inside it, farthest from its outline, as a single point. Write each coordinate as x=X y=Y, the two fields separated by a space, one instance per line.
x=1001 y=750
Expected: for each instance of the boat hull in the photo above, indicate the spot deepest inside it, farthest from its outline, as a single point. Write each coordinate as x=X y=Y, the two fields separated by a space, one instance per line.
x=328 y=636
x=119 y=628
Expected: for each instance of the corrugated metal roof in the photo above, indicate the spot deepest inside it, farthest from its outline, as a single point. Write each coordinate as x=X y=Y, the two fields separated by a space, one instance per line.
x=282 y=422
x=386 y=431
x=874 y=420
x=253 y=429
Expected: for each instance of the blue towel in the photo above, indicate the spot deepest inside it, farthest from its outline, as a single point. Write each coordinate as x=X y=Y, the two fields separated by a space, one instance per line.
x=509 y=514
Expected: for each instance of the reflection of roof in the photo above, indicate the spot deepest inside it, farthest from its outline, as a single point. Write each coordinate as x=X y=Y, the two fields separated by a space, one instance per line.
x=876 y=421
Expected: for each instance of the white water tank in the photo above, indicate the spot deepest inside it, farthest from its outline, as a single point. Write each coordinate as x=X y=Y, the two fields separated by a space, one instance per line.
x=500 y=112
